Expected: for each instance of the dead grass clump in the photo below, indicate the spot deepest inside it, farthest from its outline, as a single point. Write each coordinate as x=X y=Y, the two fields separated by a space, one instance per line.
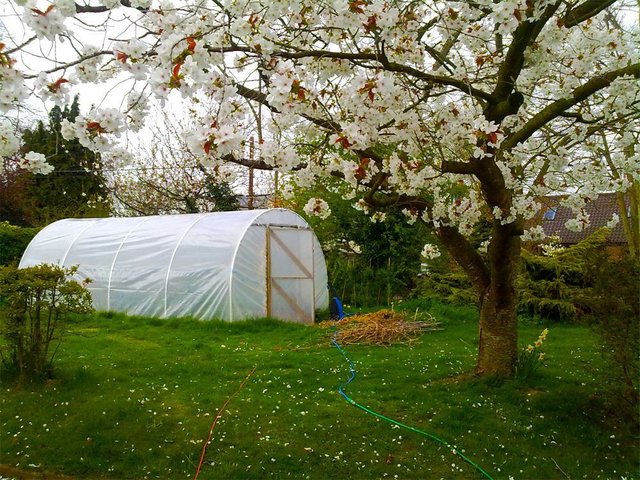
x=384 y=327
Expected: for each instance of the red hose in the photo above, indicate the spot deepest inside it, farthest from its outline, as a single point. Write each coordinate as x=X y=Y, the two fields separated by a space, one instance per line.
x=215 y=421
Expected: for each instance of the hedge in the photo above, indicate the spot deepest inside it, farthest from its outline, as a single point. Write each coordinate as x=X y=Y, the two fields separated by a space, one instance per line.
x=13 y=242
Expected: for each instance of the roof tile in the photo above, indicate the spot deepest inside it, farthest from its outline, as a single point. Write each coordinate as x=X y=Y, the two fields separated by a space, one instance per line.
x=600 y=212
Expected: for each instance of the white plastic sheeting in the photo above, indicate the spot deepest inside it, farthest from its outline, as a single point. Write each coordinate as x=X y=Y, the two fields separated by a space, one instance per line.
x=226 y=265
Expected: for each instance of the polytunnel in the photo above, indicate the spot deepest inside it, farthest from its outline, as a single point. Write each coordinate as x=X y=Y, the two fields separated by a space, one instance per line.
x=224 y=265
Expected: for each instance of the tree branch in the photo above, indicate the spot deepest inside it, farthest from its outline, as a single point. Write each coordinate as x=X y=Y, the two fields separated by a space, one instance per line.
x=256 y=96
x=76 y=62
x=251 y=94
x=19 y=47
x=524 y=35
x=425 y=28
x=586 y=10
x=468 y=168
x=558 y=107
x=92 y=9
x=461 y=85
x=443 y=61
x=580 y=118
x=467 y=257
x=103 y=8
x=257 y=164
x=374 y=186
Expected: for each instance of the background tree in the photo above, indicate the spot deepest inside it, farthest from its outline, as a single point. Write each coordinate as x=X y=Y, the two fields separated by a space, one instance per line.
x=369 y=262
x=420 y=96
x=13 y=187
x=165 y=176
x=75 y=188
x=628 y=196
x=617 y=322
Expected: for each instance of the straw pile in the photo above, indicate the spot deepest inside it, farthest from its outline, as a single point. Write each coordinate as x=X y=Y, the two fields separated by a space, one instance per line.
x=384 y=327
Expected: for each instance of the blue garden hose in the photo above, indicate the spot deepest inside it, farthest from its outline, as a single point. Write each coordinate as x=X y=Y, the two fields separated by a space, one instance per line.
x=352 y=376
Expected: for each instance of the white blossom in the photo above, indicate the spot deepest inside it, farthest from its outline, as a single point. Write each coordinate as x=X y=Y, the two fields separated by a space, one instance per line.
x=552 y=247
x=354 y=247
x=430 y=251
x=47 y=23
x=573 y=225
x=613 y=221
x=378 y=217
x=66 y=7
x=37 y=163
x=9 y=142
x=412 y=215
x=227 y=139
x=13 y=90
x=533 y=234
x=317 y=207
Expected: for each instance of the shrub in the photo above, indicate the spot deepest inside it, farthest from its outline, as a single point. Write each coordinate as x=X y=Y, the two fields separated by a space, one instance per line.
x=557 y=284
x=33 y=303
x=13 y=242
x=450 y=286
x=554 y=286
x=615 y=303
x=359 y=284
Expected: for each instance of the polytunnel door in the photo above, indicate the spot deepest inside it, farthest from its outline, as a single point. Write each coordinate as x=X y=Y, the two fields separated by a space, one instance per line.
x=290 y=294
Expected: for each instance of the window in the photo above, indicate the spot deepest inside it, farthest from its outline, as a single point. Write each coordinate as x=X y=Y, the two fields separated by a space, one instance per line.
x=550 y=214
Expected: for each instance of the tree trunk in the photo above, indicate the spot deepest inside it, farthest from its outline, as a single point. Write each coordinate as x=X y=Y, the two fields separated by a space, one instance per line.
x=495 y=283
x=498 y=342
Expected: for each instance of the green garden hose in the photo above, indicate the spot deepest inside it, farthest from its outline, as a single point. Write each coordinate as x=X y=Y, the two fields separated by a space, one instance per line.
x=352 y=376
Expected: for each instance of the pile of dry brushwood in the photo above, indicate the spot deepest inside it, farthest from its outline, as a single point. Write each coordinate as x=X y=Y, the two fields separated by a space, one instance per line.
x=383 y=327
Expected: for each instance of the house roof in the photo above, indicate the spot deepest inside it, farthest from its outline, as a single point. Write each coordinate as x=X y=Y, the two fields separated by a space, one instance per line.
x=599 y=210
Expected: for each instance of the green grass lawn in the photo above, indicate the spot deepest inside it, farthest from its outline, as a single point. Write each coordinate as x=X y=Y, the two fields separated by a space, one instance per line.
x=135 y=398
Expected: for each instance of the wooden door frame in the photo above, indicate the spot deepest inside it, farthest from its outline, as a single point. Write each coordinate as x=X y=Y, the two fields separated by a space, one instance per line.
x=309 y=275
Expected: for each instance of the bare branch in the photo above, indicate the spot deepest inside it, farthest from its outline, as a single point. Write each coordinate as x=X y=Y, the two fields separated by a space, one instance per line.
x=466 y=256
x=75 y=62
x=19 y=47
